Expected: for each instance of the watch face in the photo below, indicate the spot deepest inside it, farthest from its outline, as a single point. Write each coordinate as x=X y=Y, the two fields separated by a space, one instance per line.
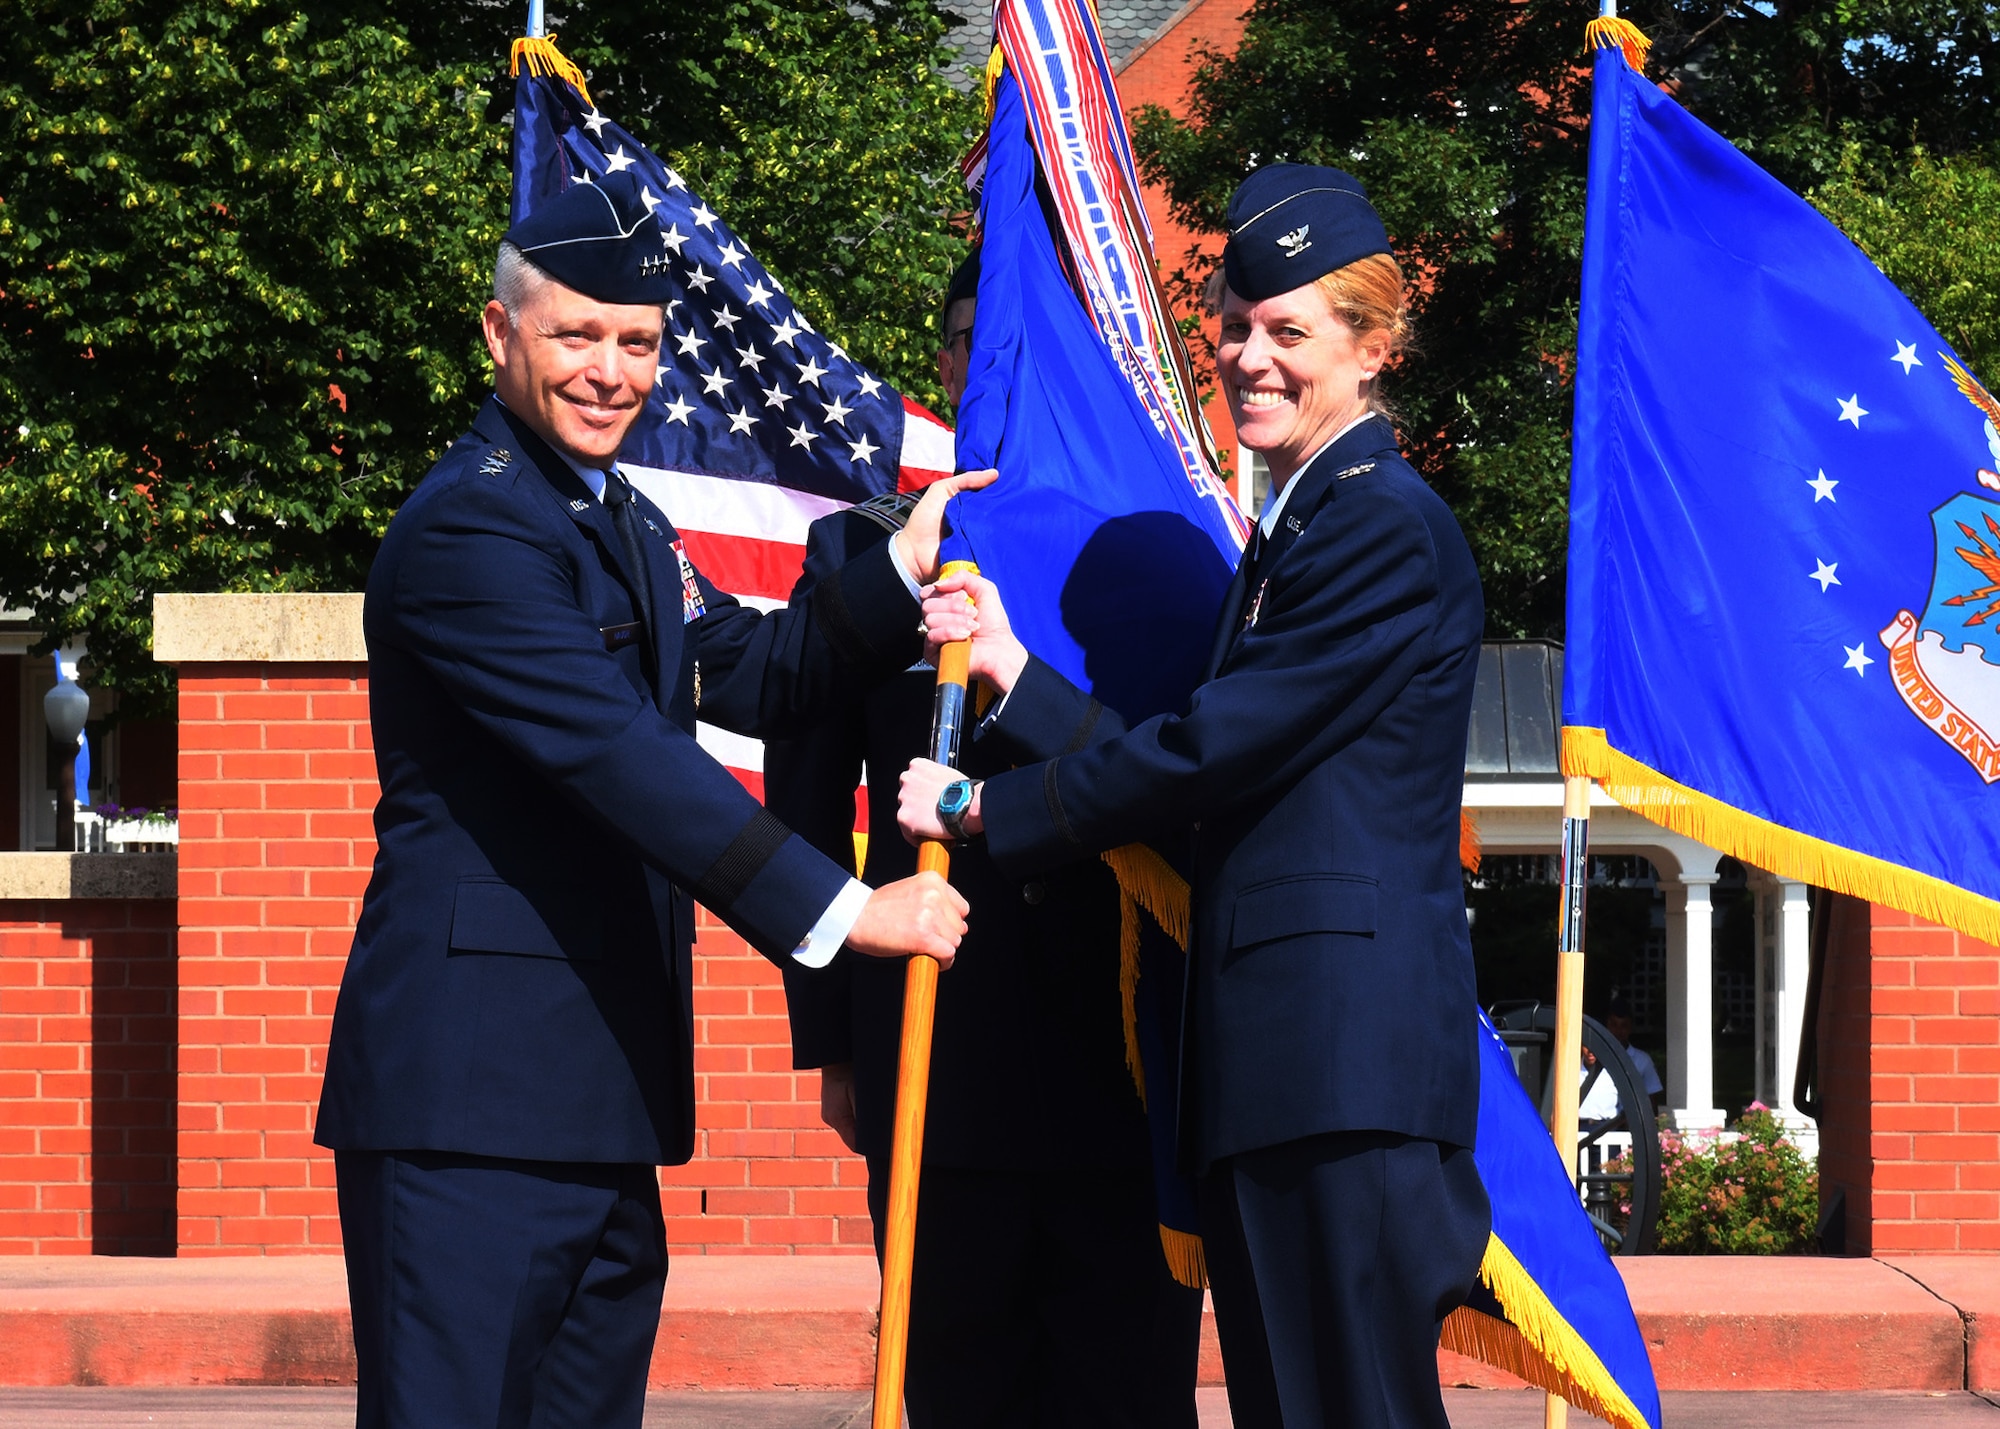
x=956 y=798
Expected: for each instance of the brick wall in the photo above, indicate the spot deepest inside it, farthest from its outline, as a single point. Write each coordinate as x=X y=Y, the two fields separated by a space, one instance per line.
x=277 y=789
x=86 y=1077
x=1913 y=1023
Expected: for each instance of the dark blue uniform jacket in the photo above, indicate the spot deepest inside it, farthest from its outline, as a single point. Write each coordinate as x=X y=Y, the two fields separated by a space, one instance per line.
x=1330 y=985
x=1028 y=1054
x=520 y=980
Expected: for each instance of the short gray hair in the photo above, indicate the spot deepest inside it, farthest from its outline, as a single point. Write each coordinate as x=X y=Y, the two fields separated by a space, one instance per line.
x=516 y=281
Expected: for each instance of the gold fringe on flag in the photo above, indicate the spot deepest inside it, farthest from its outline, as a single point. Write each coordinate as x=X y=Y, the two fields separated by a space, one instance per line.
x=1128 y=990
x=1186 y=1259
x=1614 y=32
x=541 y=56
x=990 y=86
x=1145 y=880
x=1536 y=1343
x=1770 y=846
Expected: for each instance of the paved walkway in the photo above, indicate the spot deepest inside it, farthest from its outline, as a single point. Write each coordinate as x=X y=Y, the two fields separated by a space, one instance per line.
x=1469 y=1409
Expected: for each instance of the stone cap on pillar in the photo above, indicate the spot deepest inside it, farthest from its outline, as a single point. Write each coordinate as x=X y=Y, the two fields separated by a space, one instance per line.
x=299 y=627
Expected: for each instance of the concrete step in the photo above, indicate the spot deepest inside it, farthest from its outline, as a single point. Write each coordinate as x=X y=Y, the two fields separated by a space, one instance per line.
x=808 y=1323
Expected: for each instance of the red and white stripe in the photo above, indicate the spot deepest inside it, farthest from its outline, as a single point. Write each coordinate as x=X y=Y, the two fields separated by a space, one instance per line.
x=749 y=538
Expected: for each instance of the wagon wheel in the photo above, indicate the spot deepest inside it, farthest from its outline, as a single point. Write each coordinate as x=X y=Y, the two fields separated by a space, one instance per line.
x=1621 y=1194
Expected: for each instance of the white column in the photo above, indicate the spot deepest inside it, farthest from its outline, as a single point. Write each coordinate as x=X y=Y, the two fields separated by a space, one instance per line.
x=1794 y=967
x=1690 y=999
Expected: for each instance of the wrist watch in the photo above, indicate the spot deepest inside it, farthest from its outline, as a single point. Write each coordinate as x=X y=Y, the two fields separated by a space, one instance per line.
x=952 y=807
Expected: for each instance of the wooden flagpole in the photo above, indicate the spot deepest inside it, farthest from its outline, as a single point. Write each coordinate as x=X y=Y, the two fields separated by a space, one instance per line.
x=1567 y=1056
x=913 y=1075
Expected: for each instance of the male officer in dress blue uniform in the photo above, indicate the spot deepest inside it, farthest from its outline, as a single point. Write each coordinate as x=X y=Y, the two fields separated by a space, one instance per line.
x=1329 y=1090
x=511 y=1052
x=1041 y=1297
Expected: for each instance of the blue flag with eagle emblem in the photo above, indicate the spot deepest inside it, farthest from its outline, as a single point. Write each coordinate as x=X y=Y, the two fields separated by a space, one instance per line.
x=1784 y=559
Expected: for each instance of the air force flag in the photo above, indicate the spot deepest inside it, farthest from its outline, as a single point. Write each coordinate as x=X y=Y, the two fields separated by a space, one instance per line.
x=1784 y=569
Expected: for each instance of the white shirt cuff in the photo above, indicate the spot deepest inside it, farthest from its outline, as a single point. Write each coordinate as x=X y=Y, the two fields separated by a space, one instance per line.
x=837 y=922
x=992 y=718
x=909 y=581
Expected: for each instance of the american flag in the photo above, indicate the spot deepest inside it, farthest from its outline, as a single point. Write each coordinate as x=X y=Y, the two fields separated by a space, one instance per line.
x=758 y=423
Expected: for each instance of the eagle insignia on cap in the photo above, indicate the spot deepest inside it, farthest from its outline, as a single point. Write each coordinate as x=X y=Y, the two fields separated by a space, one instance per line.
x=1295 y=242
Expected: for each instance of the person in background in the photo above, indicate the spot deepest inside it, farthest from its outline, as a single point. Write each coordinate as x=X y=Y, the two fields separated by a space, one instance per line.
x=1041 y=1296
x=1600 y=1103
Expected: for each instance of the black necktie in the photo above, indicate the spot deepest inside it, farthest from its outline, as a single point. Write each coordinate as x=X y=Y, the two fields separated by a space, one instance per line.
x=625 y=519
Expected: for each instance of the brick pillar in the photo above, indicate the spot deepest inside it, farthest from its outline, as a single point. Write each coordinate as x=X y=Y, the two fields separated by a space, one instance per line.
x=1910 y=1060
x=277 y=793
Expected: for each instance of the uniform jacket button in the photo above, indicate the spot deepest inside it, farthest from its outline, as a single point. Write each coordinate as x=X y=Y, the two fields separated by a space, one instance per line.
x=1032 y=891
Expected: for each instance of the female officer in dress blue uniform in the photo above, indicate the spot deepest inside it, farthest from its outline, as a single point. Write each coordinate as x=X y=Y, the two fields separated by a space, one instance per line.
x=1329 y=1086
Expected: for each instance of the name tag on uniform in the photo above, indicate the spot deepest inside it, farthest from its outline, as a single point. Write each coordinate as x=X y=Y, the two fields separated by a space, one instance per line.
x=617 y=637
x=693 y=607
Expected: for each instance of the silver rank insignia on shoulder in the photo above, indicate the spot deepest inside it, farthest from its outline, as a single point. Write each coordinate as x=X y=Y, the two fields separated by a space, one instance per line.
x=579 y=506
x=1358 y=469
x=1295 y=242
x=497 y=461
x=654 y=529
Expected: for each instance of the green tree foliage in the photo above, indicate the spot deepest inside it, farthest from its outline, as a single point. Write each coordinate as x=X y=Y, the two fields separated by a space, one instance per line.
x=1470 y=124
x=243 y=245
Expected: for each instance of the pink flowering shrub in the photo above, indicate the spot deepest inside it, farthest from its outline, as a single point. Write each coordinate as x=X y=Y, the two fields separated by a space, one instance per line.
x=1753 y=1196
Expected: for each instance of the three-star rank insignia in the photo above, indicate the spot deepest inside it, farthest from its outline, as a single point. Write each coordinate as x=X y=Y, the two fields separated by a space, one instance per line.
x=1358 y=469
x=497 y=461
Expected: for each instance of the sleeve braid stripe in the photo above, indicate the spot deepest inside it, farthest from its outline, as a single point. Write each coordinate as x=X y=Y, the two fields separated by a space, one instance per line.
x=743 y=860
x=1084 y=726
x=1054 y=798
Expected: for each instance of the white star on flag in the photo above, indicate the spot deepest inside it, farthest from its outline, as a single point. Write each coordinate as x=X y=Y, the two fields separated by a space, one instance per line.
x=750 y=357
x=869 y=385
x=802 y=437
x=727 y=317
x=732 y=256
x=1825 y=574
x=704 y=216
x=672 y=237
x=678 y=411
x=690 y=343
x=776 y=396
x=1851 y=410
x=1857 y=658
x=757 y=294
x=785 y=331
x=595 y=122
x=1823 y=486
x=675 y=181
x=714 y=384
x=620 y=161
x=1906 y=353
x=742 y=421
x=812 y=372
x=837 y=410
x=649 y=198
x=699 y=278
x=862 y=450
